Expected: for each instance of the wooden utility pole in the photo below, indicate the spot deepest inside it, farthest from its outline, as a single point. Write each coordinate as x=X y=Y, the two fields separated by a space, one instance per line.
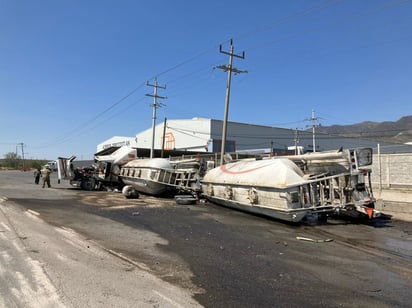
x=229 y=69
x=155 y=106
x=163 y=139
x=297 y=141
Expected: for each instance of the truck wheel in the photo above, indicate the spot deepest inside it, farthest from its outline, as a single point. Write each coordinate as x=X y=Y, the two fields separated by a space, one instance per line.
x=129 y=192
x=185 y=200
x=89 y=184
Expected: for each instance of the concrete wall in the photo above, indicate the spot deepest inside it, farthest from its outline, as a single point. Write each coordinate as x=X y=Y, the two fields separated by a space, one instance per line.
x=392 y=171
x=392 y=184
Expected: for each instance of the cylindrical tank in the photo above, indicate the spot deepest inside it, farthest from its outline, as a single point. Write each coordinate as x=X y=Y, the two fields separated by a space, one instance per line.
x=279 y=172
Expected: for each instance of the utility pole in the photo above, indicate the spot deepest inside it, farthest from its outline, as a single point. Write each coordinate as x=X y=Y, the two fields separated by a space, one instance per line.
x=163 y=139
x=313 y=119
x=22 y=153
x=155 y=106
x=296 y=141
x=229 y=69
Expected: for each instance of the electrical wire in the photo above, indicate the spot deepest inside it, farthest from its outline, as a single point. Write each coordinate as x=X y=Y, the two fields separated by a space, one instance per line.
x=75 y=131
x=71 y=133
x=329 y=26
x=290 y=18
x=101 y=123
x=303 y=135
x=317 y=8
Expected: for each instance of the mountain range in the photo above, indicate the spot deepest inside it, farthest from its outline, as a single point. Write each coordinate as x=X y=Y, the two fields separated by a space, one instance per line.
x=396 y=132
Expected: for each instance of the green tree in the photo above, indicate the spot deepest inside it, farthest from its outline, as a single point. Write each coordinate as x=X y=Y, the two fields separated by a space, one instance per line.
x=11 y=160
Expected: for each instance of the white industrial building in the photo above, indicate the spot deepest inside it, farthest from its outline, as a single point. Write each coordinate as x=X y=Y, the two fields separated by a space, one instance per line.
x=205 y=135
x=117 y=141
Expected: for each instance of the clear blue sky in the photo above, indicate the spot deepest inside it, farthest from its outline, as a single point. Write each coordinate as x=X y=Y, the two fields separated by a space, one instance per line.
x=73 y=73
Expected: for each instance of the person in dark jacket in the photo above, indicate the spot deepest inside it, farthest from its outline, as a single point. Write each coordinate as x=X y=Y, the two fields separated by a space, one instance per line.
x=37 y=175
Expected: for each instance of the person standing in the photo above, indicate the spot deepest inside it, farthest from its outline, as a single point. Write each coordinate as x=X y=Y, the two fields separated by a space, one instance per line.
x=46 y=177
x=37 y=175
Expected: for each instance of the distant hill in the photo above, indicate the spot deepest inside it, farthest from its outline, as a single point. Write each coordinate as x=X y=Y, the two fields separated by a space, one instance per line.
x=397 y=132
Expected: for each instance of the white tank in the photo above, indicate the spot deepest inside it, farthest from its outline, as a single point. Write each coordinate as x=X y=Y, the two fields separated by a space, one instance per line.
x=279 y=173
x=268 y=186
x=163 y=163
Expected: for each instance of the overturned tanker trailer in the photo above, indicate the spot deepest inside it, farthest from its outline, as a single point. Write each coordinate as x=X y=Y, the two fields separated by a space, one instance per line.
x=291 y=187
x=157 y=176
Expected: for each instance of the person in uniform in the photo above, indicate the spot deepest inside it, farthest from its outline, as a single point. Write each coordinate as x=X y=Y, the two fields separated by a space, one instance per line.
x=46 y=177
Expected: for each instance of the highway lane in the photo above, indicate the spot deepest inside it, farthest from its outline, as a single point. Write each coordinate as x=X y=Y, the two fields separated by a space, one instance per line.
x=226 y=258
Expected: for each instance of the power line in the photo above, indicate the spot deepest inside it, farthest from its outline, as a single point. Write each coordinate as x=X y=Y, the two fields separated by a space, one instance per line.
x=103 y=122
x=312 y=10
x=87 y=123
x=287 y=19
x=174 y=67
x=186 y=61
x=69 y=135
x=334 y=24
x=303 y=135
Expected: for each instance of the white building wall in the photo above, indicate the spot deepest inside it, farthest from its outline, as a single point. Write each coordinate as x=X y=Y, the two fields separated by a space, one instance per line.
x=116 y=141
x=191 y=135
x=201 y=135
x=250 y=136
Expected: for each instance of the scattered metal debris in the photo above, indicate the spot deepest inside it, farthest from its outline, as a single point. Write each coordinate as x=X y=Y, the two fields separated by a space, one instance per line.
x=313 y=240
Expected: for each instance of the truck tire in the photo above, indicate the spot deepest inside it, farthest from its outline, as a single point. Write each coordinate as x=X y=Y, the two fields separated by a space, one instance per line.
x=185 y=199
x=89 y=184
x=129 y=192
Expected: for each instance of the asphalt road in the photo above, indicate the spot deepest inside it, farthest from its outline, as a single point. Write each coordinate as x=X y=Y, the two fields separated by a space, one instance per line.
x=150 y=252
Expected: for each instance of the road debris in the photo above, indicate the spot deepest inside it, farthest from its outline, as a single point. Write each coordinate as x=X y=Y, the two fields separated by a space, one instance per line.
x=313 y=240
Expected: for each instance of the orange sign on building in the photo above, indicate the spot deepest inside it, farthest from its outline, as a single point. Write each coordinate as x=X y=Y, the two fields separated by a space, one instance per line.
x=170 y=142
